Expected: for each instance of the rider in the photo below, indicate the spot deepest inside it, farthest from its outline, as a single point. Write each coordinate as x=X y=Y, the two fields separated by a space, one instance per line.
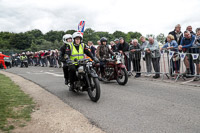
x=64 y=52
x=77 y=51
x=22 y=58
x=102 y=53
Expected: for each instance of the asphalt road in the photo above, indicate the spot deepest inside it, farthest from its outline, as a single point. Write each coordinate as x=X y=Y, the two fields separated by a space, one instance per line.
x=142 y=106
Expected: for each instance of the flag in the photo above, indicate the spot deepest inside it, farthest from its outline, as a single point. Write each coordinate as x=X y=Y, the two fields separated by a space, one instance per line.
x=171 y=53
x=162 y=52
x=195 y=56
x=182 y=56
x=143 y=54
x=81 y=26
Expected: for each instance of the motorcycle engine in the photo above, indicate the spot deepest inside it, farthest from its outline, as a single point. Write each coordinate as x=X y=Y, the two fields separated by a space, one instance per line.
x=109 y=71
x=81 y=69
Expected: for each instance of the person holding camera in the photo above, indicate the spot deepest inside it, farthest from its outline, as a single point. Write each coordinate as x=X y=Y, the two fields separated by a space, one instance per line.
x=153 y=48
x=147 y=56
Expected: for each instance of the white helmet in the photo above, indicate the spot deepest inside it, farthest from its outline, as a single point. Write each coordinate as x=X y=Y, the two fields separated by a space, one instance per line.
x=65 y=37
x=77 y=34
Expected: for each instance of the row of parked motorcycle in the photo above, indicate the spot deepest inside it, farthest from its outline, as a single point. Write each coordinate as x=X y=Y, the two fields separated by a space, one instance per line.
x=15 y=62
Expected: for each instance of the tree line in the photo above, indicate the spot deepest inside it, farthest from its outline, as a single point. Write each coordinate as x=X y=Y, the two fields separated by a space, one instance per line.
x=35 y=40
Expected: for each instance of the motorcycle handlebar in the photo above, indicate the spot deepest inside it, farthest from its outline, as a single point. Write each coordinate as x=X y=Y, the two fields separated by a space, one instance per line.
x=75 y=61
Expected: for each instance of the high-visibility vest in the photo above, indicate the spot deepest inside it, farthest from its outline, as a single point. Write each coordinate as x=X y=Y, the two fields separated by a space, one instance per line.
x=23 y=58
x=77 y=54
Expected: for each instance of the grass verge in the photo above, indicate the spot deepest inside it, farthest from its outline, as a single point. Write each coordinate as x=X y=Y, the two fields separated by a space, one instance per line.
x=15 y=105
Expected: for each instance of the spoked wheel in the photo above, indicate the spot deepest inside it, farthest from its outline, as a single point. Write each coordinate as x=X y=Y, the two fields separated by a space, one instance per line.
x=122 y=77
x=94 y=91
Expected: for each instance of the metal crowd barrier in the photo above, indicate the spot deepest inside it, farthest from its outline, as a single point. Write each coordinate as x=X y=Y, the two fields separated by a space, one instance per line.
x=171 y=63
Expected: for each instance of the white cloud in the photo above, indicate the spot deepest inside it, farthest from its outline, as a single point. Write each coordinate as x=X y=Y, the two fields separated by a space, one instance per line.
x=155 y=16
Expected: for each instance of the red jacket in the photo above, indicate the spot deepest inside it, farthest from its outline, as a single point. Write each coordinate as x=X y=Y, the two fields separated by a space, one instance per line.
x=2 y=56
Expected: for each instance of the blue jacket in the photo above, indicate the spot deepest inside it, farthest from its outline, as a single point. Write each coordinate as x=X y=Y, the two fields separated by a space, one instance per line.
x=173 y=44
x=187 y=43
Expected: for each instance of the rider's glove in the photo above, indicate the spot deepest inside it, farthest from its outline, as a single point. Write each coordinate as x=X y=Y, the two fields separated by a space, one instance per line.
x=69 y=62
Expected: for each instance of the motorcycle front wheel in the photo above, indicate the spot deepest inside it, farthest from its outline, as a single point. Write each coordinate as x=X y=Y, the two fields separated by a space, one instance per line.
x=94 y=91
x=122 y=77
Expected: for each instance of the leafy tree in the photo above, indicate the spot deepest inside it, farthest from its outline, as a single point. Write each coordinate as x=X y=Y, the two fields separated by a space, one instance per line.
x=118 y=34
x=35 y=40
x=21 y=41
x=37 y=34
x=54 y=35
x=161 y=38
x=89 y=35
x=150 y=35
x=34 y=47
x=133 y=35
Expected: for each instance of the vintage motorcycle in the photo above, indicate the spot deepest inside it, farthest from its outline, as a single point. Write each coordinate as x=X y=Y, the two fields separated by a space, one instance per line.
x=87 y=78
x=24 y=63
x=114 y=69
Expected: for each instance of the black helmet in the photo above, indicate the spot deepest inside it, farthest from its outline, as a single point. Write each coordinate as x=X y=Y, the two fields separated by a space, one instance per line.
x=103 y=39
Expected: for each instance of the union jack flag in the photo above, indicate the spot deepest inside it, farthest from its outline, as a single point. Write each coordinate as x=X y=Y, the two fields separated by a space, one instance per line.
x=81 y=26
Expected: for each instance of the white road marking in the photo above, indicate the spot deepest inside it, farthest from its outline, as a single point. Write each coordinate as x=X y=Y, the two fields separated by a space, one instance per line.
x=34 y=73
x=57 y=75
x=187 y=81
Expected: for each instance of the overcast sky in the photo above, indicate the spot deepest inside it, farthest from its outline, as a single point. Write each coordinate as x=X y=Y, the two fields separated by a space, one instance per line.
x=145 y=16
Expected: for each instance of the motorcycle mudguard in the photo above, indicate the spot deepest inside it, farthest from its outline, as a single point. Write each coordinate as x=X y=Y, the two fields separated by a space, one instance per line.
x=94 y=75
x=122 y=66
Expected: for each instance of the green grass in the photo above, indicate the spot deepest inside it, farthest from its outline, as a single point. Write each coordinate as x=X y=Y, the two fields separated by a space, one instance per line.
x=15 y=105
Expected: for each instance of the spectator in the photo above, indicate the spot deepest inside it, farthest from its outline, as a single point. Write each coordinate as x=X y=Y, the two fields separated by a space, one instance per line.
x=175 y=61
x=36 y=58
x=48 y=56
x=122 y=48
x=92 y=48
x=28 y=54
x=185 y=45
x=153 y=48
x=98 y=42
x=113 y=46
x=192 y=67
x=177 y=34
x=58 y=62
x=52 y=59
x=147 y=57
x=45 y=57
x=197 y=51
x=42 y=58
x=135 y=56
x=116 y=43
x=189 y=28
